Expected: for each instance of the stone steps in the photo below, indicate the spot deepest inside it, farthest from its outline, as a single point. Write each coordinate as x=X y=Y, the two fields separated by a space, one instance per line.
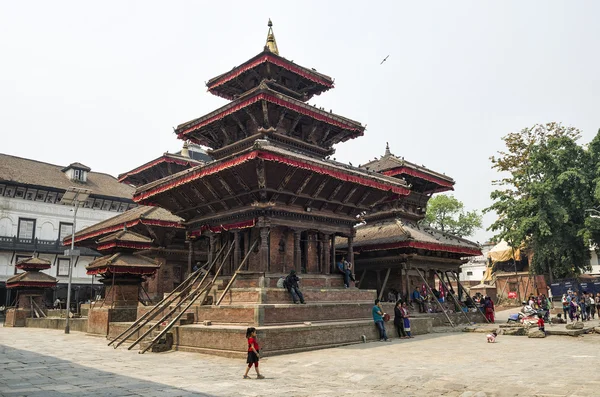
x=280 y=295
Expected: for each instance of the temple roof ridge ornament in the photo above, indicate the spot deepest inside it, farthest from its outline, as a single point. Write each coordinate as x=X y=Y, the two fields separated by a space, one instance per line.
x=271 y=44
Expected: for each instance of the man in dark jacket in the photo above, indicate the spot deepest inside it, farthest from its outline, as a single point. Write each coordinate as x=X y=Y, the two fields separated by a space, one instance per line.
x=291 y=283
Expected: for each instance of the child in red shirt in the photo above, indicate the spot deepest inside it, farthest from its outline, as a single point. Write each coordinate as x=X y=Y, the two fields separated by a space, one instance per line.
x=253 y=353
x=541 y=323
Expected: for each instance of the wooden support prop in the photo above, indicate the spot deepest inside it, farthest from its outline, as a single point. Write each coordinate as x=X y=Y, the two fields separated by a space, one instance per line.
x=362 y=277
x=166 y=302
x=230 y=283
x=469 y=297
x=449 y=292
x=39 y=312
x=385 y=280
x=197 y=293
x=437 y=301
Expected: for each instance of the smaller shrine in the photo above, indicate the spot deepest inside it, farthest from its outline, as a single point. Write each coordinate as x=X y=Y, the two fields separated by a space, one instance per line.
x=122 y=272
x=30 y=286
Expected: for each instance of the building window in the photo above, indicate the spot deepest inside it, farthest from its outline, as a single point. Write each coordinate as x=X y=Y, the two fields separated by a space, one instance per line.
x=469 y=273
x=63 y=267
x=51 y=197
x=64 y=230
x=26 y=228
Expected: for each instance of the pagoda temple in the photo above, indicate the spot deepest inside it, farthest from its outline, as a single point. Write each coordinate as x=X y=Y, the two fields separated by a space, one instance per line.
x=166 y=234
x=272 y=196
x=30 y=286
x=392 y=247
x=122 y=271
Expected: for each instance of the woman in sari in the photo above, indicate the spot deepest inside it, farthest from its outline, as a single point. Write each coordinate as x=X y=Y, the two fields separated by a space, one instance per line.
x=406 y=320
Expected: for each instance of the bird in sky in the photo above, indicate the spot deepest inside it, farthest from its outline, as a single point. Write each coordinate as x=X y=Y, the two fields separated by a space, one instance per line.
x=384 y=59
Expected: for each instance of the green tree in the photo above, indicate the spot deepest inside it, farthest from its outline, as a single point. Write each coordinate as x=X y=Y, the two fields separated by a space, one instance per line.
x=447 y=214
x=541 y=202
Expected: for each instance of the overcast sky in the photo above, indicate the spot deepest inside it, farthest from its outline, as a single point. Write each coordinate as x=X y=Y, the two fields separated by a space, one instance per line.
x=103 y=83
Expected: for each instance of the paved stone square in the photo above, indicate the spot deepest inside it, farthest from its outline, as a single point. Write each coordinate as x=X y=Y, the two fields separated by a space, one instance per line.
x=41 y=362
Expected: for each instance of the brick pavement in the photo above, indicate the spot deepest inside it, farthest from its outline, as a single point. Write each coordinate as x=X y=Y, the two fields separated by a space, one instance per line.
x=40 y=362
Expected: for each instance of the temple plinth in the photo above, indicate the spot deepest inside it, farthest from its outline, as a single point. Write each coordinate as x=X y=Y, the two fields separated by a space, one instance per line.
x=30 y=286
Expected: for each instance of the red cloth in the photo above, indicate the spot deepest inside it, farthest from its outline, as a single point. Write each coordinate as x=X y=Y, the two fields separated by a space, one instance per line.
x=540 y=323
x=252 y=342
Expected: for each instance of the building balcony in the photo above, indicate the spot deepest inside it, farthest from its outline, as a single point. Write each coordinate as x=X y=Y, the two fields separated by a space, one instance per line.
x=8 y=243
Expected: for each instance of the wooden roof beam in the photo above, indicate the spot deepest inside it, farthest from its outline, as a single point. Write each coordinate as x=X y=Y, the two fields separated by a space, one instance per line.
x=293 y=199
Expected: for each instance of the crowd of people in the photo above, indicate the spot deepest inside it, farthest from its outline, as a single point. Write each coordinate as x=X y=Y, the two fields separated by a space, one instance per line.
x=580 y=306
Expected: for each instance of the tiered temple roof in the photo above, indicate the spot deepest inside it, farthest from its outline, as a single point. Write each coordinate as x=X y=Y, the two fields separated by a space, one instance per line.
x=421 y=178
x=125 y=239
x=396 y=233
x=123 y=263
x=231 y=185
x=31 y=277
x=302 y=82
x=137 y=219
x=165 y=165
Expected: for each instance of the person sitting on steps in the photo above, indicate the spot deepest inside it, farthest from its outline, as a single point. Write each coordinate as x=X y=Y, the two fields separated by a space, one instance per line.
x=291 y=283
x=345 y=268
x=417 y=297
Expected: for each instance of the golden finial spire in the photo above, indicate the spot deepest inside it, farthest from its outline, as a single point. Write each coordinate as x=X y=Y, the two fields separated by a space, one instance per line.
x=271 y=43
x=387 y=149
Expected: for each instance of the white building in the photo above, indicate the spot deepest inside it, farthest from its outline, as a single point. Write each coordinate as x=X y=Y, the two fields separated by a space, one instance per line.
x=472 y=272
x=33 y=222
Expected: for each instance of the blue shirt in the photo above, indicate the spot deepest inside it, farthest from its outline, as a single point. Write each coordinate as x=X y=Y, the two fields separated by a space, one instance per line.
x=416 y=295
x=376 y=316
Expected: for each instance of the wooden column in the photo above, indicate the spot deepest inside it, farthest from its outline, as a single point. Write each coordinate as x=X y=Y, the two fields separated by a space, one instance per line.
x=246 y=236
x=351 y=251
x=326 y=268
x=236 y=250
x=332 y=253
x=408 y=291
x=190 y=255
x=297 y=255
x=264 y=249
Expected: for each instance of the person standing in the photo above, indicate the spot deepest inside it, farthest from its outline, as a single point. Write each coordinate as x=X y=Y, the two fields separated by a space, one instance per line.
x=291 y=283
x=253 y=353
x=565 y=305
x=406 y=318
x=590 y=306
x=378 y=314
x=399 y=320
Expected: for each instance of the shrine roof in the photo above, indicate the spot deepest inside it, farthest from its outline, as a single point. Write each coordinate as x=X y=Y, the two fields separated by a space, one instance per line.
x=33 y=263
x=391 y=165
x=125 y=235
x=264 y=93
x=265 y=150
x=31 y=279
x=214 y=85
x=393 y=233
x=152 y=216
x=123 y=263
x=165 y=158
x=31 y=172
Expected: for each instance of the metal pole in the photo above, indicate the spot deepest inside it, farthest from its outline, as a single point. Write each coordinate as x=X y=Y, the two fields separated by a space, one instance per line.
x=76 y=203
